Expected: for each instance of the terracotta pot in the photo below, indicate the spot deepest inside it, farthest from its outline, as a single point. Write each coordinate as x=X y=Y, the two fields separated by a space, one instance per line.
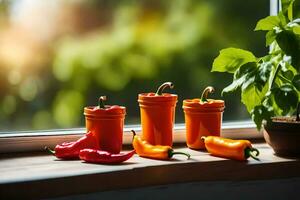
x=107 y=126
x=157 y=117
x=283 y=135
x=202 y=119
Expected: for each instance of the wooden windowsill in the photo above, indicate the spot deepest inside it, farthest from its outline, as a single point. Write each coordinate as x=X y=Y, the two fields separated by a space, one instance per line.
x=38 y=175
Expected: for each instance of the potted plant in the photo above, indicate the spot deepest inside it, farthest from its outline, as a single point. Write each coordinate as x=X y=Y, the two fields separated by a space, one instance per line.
x=270 y=85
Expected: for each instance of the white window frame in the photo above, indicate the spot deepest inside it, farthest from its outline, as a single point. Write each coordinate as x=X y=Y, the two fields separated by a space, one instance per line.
x=274 y=7
x=37 y=140
x=24 y=141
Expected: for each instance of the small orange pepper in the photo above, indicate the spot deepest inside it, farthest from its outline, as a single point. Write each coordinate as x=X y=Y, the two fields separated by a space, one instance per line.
x=228 y=148
x=160 y=152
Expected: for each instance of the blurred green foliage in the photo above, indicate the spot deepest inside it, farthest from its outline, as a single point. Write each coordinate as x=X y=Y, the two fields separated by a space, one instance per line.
x=144 y=44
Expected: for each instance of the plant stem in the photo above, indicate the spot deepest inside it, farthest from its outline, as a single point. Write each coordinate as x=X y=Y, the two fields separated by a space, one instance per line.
x=285 y=78
x=274 y=77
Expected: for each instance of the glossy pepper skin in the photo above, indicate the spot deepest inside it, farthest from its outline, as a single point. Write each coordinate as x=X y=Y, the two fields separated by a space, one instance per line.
x=104 y=157
x=228 y=148
x=160 y=152
x=70 y=150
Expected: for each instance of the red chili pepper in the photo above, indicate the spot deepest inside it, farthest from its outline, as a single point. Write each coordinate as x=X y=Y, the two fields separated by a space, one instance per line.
x=104 y=157
x=70 y=150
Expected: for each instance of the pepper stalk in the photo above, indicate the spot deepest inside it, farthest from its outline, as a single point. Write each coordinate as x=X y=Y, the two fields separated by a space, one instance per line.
x=249 y=153
x=205 y=93
x=49 y=150
x=162 y=87
x=101 y=102
x=171 y=152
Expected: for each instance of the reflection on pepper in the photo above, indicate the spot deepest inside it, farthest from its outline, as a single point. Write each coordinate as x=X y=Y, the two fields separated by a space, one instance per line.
x=144 y=149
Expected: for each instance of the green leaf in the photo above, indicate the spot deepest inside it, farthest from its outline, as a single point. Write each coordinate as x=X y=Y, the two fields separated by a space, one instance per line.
x=249 y=70
x=260 y=113
x=233 y=86
x=285 y=4
x=246 y=69
x=270 y=103
x=290 y=10
x=264 y=71
x=290 y=44
x=289 y=75
x=286 y=66
x=286 y=97
x=250 y=79
x=283 y=19
x=241 y=76
x=287 y=9
x=296 y=82
x=230 y=59
x=267 y=24
x=270 y=37
x=296 y=30
x=252 y=96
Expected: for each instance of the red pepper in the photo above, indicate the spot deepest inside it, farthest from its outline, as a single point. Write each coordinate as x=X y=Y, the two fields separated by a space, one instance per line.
x=104 y=157
x=70 y=150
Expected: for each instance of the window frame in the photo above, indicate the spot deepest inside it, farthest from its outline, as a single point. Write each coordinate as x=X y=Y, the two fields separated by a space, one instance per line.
x=27 y=141
x=24 y=141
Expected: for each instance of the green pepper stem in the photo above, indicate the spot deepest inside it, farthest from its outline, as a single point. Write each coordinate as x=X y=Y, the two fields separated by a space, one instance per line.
x=172 y=152
x=49 y=150
x=205 y=92
x=101 y=102
x=249 y=153
x=162 y=87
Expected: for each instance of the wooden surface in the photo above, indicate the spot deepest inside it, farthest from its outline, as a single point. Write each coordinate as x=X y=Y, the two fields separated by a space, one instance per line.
x=40 y=175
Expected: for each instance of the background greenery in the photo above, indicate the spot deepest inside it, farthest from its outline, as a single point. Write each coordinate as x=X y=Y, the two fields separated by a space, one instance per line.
x=269 y=85
x=119 y=49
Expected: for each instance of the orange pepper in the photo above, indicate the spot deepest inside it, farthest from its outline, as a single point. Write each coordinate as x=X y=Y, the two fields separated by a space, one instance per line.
x=228 y=148
x=203 y=117
x=158 y=115
x=160 y=152
x=106 y=123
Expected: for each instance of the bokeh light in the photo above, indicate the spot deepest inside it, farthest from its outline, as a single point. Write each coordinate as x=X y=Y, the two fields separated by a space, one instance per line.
x=56 y=57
